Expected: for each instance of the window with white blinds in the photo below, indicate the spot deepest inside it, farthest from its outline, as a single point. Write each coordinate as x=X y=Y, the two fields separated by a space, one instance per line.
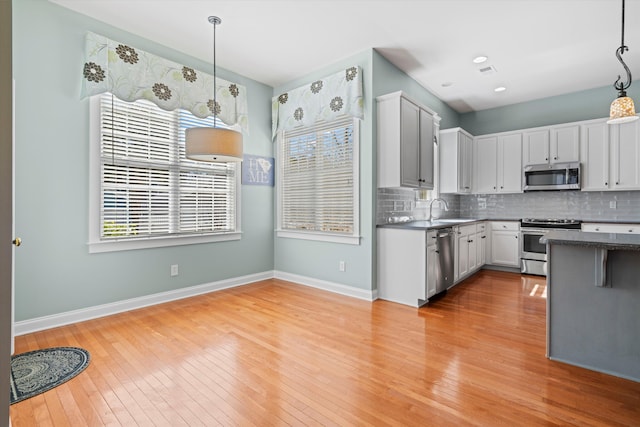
x=147 y=188
x=318 y=182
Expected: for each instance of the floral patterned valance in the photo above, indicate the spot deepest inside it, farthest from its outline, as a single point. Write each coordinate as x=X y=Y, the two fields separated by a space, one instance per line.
x=132 y=74
x=325 y=99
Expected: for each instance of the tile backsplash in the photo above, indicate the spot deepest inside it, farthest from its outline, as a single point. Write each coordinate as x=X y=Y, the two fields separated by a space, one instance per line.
x=395 y=202
x=584 y=205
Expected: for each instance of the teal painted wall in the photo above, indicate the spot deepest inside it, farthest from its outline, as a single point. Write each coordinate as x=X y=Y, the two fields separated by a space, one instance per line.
x=54 y=272
x=319 y=260
x=572 y=107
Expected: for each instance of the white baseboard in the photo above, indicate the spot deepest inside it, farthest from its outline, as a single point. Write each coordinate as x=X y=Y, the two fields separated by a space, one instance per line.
x=53 y=321
x=66 y=318
x=365 y=294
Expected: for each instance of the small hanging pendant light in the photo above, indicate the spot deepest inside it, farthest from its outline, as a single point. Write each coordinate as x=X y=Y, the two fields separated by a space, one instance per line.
x=622 y=108
x=214 y=144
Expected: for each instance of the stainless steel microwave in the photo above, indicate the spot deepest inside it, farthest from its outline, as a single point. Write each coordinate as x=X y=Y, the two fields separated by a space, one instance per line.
x=556 y=176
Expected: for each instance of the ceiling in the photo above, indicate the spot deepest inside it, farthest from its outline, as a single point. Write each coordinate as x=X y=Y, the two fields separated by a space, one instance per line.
x=538 y=48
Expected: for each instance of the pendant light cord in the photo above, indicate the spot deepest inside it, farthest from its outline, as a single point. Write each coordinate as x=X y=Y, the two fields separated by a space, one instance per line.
x=622 y=86
x=215 y=21
x=621 y=42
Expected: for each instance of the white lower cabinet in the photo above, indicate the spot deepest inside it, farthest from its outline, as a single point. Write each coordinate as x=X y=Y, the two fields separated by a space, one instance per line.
x=407 y=265
x=470 y=250
x=481 y=244
x=505 y=243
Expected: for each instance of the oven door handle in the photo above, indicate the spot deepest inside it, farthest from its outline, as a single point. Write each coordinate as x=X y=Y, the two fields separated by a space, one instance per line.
x=527 y=230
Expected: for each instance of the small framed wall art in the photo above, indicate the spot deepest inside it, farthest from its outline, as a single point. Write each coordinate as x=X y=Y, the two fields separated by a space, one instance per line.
x=257 y=170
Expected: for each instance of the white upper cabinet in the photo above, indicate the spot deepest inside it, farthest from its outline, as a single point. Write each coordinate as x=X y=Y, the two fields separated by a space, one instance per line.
x=555 y=144
x=510 y=163
x=406 y=135
x=498 y=164
x=594 y=155
x=427 y=137
x=455 y=151
x=610 y=156
x=625 y=156
x=536 y=147
x=485 y=150
x=565 y=144
x=409 y=144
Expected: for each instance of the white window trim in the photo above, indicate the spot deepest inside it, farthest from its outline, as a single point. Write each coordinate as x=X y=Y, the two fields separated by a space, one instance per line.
x=99 y=246
x=354 y=238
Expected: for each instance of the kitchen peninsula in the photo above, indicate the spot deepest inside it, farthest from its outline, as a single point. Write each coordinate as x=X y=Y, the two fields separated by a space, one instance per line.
x=593 y=303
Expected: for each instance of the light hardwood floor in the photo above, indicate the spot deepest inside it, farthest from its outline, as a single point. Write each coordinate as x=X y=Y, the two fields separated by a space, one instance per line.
x=275 y=353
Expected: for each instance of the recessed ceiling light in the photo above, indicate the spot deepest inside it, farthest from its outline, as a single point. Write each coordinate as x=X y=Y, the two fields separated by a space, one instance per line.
x=447 y=84
x=500 y=89
x=479 y=59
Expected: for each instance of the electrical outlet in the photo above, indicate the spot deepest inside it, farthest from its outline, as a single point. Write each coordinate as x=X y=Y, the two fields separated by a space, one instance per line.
x=342 y=266
x=174 y=270
x=612 y=204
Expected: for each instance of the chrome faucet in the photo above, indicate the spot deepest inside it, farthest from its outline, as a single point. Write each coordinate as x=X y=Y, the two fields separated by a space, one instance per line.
x=444 y=202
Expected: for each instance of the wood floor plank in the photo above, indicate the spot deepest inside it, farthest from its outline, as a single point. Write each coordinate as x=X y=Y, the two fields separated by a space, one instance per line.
x=277 y=353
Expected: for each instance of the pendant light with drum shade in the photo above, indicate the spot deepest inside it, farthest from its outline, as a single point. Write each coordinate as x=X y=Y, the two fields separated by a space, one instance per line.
x=213 y=144
x=622 y=108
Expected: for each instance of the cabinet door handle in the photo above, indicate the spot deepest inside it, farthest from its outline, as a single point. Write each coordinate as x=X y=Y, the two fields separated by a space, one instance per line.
x=516 y=237
x=483 y=237
x=606 y=183
x=631 y=231
x=546 y=158
x=471 y=241
x=555 y=158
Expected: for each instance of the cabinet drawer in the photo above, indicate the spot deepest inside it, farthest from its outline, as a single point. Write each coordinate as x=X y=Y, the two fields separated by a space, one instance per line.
x=467 y=229
x=505 y=225
x=480 y=227
x=611 y=228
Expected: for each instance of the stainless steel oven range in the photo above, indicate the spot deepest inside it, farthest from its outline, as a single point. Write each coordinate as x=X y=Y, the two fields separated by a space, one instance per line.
x=533 y=254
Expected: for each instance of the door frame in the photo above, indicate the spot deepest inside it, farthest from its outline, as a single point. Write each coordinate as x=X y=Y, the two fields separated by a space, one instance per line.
x=6 y=206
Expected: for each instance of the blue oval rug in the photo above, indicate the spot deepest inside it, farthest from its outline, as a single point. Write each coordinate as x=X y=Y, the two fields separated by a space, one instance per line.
x=37 y=371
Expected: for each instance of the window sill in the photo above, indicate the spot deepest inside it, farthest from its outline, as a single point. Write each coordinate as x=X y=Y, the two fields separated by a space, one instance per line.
x=159 y=242
x=320 y=237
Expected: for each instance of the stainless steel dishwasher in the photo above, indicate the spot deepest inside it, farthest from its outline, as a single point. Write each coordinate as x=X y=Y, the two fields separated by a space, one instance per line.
x=444 y=249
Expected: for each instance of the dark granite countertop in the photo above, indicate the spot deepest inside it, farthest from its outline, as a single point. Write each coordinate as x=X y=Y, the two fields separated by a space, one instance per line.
x=610 y=241
x=427 y=225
